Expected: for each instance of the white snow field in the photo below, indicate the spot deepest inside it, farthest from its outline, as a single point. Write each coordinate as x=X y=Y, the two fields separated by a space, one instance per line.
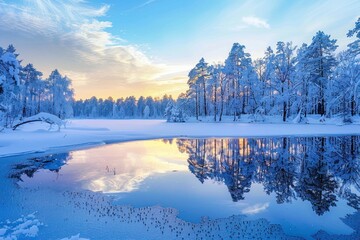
x=36 y=137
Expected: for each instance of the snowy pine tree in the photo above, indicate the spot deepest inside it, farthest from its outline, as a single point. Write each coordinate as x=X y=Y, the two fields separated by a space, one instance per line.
x=283 y=80
x=320 y=64
x=9 y=86
x=31 y=89
x=60 y=95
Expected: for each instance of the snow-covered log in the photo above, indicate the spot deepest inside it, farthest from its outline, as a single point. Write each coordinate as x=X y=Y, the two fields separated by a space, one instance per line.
x=42 y=117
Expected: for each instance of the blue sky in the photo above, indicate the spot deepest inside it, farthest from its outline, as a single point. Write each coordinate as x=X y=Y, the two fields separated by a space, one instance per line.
x=146 y=47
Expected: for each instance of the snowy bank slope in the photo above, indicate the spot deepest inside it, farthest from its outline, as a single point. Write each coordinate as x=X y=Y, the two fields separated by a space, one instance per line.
x=85 y=133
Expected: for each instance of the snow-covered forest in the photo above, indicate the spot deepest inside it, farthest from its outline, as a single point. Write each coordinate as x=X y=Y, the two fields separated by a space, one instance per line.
x=24 y=93
x=289 y=81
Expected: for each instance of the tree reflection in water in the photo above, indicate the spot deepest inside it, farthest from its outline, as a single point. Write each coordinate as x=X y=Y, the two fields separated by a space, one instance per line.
x=316 y=169
x=52 y=162
x=320 y=170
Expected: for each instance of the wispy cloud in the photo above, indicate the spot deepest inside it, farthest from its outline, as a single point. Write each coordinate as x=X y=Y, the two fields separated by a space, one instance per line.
x=68 y=35
x=255 y=208
x=256 y=22
x=249 y=22
x=144 y=4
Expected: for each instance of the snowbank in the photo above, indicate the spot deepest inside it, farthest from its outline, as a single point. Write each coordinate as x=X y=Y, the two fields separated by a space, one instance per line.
x=76 y=237
x=86 y=133
x=24 y=227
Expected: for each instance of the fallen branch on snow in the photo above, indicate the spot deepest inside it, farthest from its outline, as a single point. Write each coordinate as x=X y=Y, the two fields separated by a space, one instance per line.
x=42 y=117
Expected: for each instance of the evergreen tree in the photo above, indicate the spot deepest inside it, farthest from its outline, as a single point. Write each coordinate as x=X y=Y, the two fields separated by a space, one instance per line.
x=345 y=89
x=354 y=47
x=31 y=86
x=321 y=65
x=284 y=73
x=240 y=76
x=60 y=95
x=10 y=68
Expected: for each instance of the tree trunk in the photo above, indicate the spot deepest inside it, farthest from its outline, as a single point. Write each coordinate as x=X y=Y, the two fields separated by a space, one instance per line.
x=24 y=106
x=215 y=108
x=284 y=103
x=24 y=110
x=323 y=106
x=196 y=105
x=222 y=89
x=353 y=111
x=233 y=98
x=243 y=103
x=38 y=107
x=306 y=100
x=205 y=109
x=284 y=112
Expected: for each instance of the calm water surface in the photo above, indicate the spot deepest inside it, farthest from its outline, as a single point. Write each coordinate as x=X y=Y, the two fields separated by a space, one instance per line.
x=304 y=184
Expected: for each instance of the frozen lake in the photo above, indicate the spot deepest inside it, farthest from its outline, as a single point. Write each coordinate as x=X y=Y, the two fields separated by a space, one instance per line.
x=304 y=184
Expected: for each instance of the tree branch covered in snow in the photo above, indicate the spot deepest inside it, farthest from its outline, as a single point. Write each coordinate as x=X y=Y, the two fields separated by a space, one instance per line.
x=42 y=117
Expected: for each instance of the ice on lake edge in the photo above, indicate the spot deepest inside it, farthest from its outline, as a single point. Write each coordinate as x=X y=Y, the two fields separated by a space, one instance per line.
x=153 y=222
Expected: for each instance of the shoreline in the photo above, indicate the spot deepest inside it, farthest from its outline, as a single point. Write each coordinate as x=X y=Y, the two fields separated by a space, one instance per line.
x=86 y=133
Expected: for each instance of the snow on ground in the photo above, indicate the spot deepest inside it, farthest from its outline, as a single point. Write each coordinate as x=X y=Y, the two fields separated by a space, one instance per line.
x=75 y=237
x=24 y=227
x=81 y=133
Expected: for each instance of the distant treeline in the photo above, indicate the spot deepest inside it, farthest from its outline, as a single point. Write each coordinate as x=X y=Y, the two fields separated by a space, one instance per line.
x=129 y=107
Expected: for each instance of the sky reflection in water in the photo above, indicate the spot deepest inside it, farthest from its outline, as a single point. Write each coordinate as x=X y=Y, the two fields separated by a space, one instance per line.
x=112 y=168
